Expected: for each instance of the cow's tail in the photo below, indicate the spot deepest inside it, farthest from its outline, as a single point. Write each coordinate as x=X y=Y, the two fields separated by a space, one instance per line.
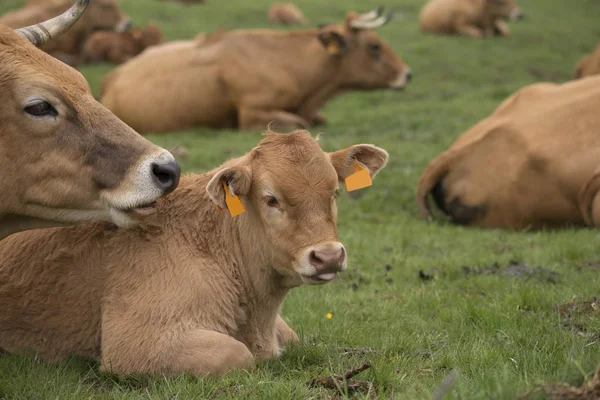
x=587 y=194
x=435 y=171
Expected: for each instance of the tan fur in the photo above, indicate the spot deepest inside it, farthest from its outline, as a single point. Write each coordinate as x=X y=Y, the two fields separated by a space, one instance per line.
x=474 y=18
x=68 y=168
x=186 y=2
x=37 y=3
x=286 y=14
x=116 y=47
x=589 y=65
x=250 y=78
x=524 y=165
x=195 y=290
x=100 y=15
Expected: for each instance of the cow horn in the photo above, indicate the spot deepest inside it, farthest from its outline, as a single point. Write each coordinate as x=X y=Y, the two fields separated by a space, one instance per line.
x=41 y=33
x=378 y=22
x=371 y=14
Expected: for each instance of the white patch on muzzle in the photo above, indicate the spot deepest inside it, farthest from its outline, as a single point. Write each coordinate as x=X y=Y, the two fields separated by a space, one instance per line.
x=308 y=272
x=402 y=80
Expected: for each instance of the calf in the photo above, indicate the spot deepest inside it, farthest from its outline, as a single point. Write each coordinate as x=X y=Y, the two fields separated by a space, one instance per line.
x=195 y=290
x=524 y=166
x=118 y=47
x=475 y=18
x=286 y=14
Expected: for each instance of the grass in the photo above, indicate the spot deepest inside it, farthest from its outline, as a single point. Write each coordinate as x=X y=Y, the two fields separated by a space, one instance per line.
x=502 y=334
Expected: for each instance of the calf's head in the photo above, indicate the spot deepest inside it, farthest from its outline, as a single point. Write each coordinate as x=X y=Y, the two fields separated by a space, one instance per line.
x=507 y=9
x=288 y=186
x=151 y=35
x=106 y=15
x=366 y=62
x=64 y=157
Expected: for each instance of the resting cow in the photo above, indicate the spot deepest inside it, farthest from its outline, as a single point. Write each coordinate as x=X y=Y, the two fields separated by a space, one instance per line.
x=65 y=158
x=589 y=65
x=286 y=14
x=475 y=18
x=195 y=290
x=525 y=165
x=101 y=15
x=250 y=78
x=118 y=47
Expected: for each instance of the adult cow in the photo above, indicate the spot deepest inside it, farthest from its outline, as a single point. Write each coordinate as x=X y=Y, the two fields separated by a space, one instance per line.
x=196 y=291
x=474 y=18
x=523 y=166
x=249 y=78
x=64 y=157
x=101 y=15
x=589 y=65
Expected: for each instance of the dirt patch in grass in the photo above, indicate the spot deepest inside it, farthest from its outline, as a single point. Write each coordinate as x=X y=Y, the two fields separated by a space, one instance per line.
x=515 y=269
x=590 y=266
x=343 y=384
x=577 y=315
x=588 y=391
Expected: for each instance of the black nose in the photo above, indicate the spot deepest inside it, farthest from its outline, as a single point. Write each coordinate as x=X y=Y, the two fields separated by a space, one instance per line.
x=166 y=176
x=408 y=76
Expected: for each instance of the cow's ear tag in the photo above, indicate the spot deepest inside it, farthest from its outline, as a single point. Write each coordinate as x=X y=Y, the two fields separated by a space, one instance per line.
x=234 y=204
x=359 y=179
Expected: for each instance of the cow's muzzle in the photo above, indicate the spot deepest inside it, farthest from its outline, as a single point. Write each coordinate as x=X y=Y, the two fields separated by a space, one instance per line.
x=322 y=263
x=404 y=77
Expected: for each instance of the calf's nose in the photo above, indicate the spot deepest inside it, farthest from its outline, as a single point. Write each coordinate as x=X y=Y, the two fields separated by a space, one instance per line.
x=328 y=259
x=166 y=175
x=408 y=76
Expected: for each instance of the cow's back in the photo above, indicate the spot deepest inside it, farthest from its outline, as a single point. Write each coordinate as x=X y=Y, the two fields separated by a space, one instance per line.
x=441 y=16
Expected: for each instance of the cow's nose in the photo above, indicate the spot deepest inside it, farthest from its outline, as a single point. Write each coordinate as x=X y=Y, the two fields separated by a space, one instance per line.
x=408 y=76
x=328 y=259
x=166 y=175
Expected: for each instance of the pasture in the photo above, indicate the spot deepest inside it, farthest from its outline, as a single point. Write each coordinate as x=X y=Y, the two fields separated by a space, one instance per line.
x=506 y=310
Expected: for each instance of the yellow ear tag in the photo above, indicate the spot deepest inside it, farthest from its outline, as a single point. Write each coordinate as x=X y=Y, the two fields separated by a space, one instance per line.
x=359 y=179
x=234 y=204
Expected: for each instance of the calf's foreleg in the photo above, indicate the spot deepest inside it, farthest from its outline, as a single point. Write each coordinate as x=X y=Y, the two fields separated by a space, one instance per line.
x=285 y=334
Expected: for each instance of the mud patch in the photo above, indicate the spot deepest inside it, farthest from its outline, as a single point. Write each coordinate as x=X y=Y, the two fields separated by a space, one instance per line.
x=561 y=391
x=343 y=384
x=578 y=316
x=515 y=269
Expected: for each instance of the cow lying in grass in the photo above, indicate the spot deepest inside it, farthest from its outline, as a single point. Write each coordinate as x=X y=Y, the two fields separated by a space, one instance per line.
x=196 y=290
x=118 y=47
x=286 y=14
x=589 y=65
x=526 y=165
x=248 y=78
x=475 y=18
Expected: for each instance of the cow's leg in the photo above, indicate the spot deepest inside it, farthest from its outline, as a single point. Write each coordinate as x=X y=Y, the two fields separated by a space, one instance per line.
x=129 y=350
x=285 y=334
x=501 y=28
x=259 y=119
x=469 y=30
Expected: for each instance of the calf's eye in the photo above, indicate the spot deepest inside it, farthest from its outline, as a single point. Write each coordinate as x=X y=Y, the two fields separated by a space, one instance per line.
x=41 y=109
x=272 y=202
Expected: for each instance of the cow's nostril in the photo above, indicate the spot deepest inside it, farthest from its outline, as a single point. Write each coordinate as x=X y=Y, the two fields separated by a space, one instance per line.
x=166 y=176
x=408 y=76
x=314 y=259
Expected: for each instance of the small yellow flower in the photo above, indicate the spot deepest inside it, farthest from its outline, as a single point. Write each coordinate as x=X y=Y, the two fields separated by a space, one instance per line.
x=329 y=315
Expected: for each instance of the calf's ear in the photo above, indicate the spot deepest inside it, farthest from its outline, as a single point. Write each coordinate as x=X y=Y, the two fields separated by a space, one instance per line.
x=373 y=158
x=238 y=180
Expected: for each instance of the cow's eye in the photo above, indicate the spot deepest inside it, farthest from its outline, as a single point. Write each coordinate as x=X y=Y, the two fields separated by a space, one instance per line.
x=272 y=202
x=375 y=47
x=41 y=109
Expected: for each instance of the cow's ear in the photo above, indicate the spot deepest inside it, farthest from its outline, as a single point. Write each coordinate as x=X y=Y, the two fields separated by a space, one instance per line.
x=373 y=158
x=237 y=178
x=334 y=42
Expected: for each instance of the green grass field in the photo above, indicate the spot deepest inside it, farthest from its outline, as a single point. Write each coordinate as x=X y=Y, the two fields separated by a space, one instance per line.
x=503 y=334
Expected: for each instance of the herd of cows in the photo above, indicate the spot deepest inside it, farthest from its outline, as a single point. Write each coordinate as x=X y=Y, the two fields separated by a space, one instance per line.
x=196 y=281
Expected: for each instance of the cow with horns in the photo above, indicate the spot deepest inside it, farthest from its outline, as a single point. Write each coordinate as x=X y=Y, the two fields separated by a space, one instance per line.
x=65 y=158
x=248 y=78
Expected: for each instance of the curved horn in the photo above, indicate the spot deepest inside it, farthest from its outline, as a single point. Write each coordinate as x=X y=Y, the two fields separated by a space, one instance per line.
x=373 y=24
x=371 y=14
x=41 y=33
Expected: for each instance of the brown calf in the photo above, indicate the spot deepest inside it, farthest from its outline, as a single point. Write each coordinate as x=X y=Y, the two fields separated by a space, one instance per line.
x=286 y=14
x=118 y=47
x=196 y=290
x=65 y=158
x=101 y=15
x=249 y=78
x=475 y=18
